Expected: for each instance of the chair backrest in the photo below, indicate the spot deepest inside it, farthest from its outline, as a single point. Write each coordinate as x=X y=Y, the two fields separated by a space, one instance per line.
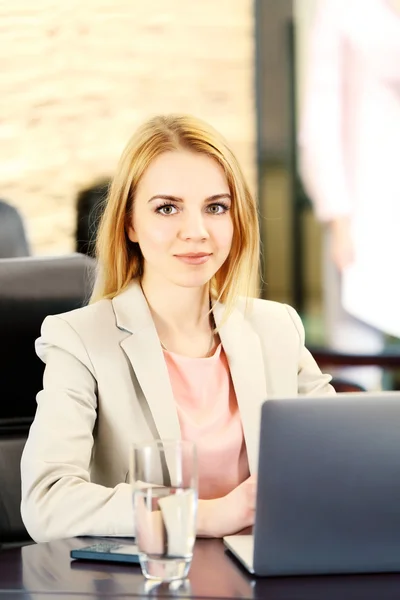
x=13 y=240
x=30 y=289
x=12 y=529
x=89 y=208
x=343 y=386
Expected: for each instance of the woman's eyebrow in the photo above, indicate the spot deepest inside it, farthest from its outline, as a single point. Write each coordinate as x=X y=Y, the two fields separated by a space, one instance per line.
x=213 y=198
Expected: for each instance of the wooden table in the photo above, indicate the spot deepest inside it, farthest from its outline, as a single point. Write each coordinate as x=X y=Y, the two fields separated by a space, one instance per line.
x=46 y=572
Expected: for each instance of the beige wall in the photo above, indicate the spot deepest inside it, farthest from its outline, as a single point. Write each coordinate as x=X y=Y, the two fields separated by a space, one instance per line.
x=77 y=77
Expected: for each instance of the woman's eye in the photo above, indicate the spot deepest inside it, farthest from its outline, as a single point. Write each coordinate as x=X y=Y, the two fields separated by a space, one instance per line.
x=167 y=210
x=217 y=209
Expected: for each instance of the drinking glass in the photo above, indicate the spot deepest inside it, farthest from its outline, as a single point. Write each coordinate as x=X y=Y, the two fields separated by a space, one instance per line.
x=164 y=474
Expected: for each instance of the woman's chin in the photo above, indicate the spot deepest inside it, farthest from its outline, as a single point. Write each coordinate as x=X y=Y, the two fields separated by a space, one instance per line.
x=191 y=281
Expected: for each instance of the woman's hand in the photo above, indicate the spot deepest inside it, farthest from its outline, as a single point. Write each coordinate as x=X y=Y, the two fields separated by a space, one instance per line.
x=342 y=246
x=229 y=514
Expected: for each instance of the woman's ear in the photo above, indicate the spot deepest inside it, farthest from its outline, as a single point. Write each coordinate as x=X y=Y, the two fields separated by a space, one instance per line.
x=130 y=230
x=131 y=233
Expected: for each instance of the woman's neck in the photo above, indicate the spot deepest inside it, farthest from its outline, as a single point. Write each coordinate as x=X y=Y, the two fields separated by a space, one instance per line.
x=182 y=318
x=177 y=308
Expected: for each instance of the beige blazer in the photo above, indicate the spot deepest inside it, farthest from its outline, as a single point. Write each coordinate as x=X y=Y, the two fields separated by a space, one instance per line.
x=106 y=385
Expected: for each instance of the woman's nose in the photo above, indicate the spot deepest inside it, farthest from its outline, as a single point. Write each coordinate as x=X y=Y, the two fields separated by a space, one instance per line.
x=193 y=227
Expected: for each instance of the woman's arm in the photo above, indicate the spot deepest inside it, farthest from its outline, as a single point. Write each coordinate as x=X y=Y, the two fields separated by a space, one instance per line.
x=311 y=381
x=231 y=513
x=58 y=499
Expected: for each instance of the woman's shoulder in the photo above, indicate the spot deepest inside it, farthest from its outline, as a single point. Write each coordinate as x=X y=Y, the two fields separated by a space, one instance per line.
x=258 y=307
x=87 y=316
x=91 y=323
x=272 y=315
x=79 y=331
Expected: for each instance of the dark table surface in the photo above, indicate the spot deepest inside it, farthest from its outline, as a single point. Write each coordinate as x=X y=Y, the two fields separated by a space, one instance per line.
x=45 y=571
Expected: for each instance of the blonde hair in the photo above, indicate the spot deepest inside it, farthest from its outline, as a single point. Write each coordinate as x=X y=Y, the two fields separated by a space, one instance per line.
x=120 y=260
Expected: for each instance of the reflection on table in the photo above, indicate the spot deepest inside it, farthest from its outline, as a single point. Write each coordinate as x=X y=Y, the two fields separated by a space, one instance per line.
x=43 y=571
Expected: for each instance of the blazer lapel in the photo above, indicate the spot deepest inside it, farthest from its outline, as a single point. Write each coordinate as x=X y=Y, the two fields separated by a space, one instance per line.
x=145 y=354
x=243 y=350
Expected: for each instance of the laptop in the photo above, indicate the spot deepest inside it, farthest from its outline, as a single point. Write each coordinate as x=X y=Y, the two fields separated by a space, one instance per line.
x=328 y=492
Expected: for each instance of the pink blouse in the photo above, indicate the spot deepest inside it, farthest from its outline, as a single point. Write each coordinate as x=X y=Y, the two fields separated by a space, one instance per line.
x=209 y=416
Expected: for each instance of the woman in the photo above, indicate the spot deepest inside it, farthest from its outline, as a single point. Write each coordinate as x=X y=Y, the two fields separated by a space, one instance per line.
x=170 y=347
x=349 y=144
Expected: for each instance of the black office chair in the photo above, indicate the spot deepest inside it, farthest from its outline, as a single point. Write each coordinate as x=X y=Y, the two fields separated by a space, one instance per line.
x=13 y=240
x=344 y=386
x=30 y=289
x=12 y=529
x=90 y=204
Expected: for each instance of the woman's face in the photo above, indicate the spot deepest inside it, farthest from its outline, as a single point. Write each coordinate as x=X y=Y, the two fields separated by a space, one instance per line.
x=181 y=218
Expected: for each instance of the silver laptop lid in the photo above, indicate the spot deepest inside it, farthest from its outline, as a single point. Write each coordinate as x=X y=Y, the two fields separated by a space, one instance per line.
x=329 y=485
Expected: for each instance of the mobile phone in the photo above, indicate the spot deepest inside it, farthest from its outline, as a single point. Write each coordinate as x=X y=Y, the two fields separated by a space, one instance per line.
x=108 y=551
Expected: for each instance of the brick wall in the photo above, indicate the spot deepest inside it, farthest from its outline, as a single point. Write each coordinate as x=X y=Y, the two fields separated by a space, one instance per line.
x=77 y=76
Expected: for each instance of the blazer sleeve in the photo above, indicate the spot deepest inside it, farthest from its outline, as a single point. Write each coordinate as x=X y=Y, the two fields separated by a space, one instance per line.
x=58 y=499
x=311 y=382
x=322 y=134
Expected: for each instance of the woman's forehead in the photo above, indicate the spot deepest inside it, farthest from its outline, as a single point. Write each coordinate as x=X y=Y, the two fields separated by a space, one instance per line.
x=182 y=171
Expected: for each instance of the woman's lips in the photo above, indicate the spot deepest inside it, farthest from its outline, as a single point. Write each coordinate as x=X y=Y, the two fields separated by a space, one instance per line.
x=193 y=259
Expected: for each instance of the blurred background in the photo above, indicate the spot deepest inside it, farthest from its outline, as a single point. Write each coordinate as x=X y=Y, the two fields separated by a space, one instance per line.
x=78 y=77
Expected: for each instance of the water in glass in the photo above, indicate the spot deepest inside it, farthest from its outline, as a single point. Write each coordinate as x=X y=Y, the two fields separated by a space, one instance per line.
x=165 y=531
x=165 y=506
